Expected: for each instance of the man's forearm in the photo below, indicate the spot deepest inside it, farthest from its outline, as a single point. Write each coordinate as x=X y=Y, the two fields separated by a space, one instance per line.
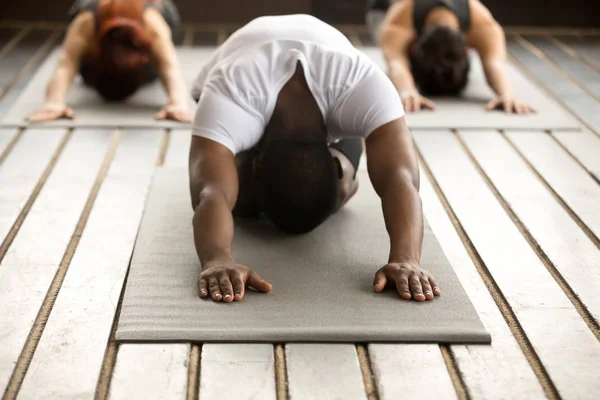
x=213 y=229
x=400 y=76
x=174 y=84
x=403 y=216
x=56 y=92
x=497 y=78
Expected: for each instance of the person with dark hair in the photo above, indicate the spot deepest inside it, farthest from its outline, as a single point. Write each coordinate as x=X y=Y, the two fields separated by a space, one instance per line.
x=117 y=46
x=426 y=46
x=284 y=108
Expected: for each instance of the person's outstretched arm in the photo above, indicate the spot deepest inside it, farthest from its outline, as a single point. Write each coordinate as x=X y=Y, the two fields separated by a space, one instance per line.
x=169 y=68
x=394 y=42
x=214 y=191
x=78 y=38
x=393 y=168
x=488 y=39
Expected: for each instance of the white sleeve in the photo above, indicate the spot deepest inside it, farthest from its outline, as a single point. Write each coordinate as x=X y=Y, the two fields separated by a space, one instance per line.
x=222 y=120
x=371 y=103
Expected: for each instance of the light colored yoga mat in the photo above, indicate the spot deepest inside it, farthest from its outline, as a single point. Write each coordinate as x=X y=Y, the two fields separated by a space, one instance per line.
x=322 y=281
x=468 y=111
x=92 y=111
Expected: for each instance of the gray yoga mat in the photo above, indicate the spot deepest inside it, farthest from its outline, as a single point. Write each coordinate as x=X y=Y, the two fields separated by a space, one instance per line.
x=92 y=111
x=322 y=281
x=468 y=111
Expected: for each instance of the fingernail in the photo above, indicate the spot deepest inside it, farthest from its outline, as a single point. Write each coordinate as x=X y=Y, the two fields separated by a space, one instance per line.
x=428 y=292
x=227 y=296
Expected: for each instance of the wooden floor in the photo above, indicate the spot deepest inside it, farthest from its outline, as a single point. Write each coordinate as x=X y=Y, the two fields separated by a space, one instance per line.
x=515 y=212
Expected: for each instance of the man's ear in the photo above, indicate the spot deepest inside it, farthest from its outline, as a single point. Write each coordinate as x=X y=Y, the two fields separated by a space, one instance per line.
x=338 y=165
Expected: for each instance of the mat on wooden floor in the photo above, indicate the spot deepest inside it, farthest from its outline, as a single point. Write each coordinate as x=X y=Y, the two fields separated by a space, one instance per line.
x=322 y=281
x=468 y=111
x=92 y=111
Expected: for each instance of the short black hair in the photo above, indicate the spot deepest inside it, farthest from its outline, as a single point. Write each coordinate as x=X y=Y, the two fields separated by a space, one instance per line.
x=439 y=61
x=298 y=184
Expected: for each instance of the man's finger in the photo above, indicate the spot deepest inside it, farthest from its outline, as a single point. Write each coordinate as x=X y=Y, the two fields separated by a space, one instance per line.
x=202 y=290
x=435 y=287
x=402 y=286
x=258 y=283
x=213 y=288
x=69 y=113
x=162 y=114
x=508 y=105
x=491 y=105
x=427 y=291
x=238 y=286
x=415 y=287
x=380 y=281
x=226 y=289
x=428 y=103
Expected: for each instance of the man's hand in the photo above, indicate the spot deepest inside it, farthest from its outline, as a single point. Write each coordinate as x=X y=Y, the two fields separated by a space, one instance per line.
x=51 y=112
x=509 y=104
x=226 y=281
x=175 y=112
x=413 y=101
x=410 y=281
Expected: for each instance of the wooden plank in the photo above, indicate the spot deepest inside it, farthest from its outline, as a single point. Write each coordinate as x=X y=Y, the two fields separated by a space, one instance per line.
x=69 y=355
x=27 y=271
x=589 y=51
x=581 y=73
x=410 y=371
x=574 y=255
x=7 y=35
x=21 y=78
x=497 y=371
x=14 y=60
x=585 y=146
x=150 y=371
x=571 y=182
x=324 y=371
x=169 y=373
x=568 y=359
x=6 y=137
x=240 y=371
x=21 y=171
x=569 y=94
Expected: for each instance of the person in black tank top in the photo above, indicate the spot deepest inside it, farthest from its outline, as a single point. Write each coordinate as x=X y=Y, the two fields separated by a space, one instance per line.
x=426 y=43
x=118 y=46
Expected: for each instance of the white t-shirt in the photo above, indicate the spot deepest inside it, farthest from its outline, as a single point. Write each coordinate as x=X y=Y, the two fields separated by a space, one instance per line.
x=237 y=89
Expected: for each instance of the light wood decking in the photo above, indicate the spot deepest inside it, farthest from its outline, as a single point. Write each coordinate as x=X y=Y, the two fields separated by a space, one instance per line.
x=515 y=212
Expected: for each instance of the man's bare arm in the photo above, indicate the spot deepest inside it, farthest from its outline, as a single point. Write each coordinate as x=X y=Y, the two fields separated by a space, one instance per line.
x=394 y=42
x=214 y=191
x=394 y=172
x=79 y=37
x=489 y=40
x=169 y=68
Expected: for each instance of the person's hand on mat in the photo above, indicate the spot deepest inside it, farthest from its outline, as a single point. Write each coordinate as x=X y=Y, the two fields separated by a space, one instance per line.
x=226 y=281
x=410 y=280
x=510 y=105
x=51 y=112
x=413 y=101
x=175 y=112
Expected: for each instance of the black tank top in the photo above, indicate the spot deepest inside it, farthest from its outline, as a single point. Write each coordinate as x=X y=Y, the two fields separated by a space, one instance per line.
x=460 y=8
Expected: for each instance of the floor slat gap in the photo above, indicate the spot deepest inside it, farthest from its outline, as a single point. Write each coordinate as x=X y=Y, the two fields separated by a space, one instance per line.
x=10 y=237
x=572 y=52
x=460 y=386
x=574 y=157
x=281 y=382
x=581 y=308
x=559 y=199
x=193 y=385
x=35 y=335
x=164 y=147
x=34 y=61
x=503 y=305
x=366 y=368
x=14 y=41
x=11 y=145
